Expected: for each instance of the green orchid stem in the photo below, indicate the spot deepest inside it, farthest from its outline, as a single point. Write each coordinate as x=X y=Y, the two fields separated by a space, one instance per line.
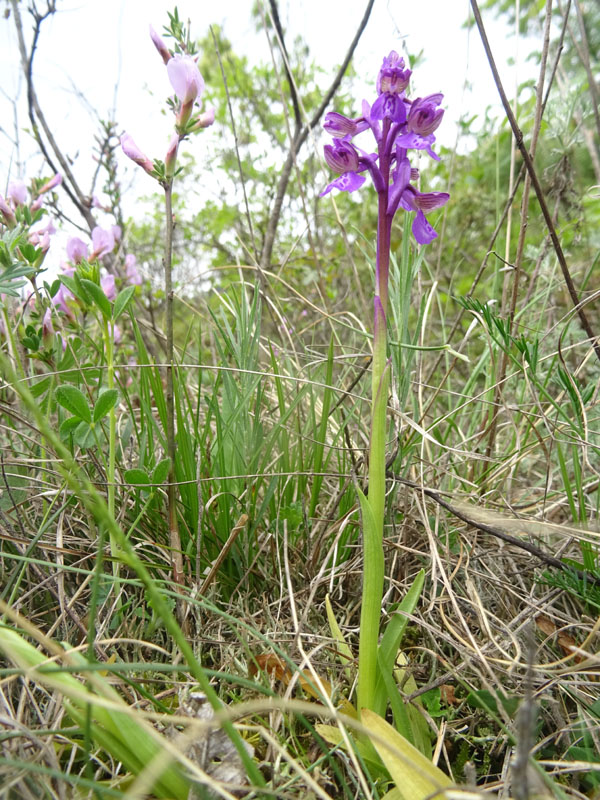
x=373 y=509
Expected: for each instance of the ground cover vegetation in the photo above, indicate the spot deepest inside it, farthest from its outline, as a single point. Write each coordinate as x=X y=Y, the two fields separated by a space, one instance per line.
x=299 y=470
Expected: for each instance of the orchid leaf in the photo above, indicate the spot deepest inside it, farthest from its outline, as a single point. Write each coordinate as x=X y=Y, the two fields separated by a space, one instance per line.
x=415 y=776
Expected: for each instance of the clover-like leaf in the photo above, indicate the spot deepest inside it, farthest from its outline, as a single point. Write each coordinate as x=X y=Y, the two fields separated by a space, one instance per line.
x=107 y=400
x=74 y=400
x=161 y=470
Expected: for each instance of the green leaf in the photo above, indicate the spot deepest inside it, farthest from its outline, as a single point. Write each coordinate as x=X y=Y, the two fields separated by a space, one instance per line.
x=137 y=477
x=84 y=435
x=415 y=776
x=98 y=296
x=75 y=287
x=122 y=301
x=343 y=650
x=107 y=400
x=39 y=388
x=67 y=428
x=74 y=400
x=161 y=470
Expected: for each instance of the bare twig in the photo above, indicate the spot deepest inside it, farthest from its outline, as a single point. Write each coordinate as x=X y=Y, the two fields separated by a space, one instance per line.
x=517 y=271
x=36 y=114
x=299 y=137
x=235 y=139
x=518 y=134
x=544 y=557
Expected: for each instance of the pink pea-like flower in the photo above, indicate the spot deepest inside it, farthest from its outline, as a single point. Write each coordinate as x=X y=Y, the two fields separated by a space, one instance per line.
x=17 y=192
x=185 y=78
x=132 y=274
x=108 y=286
x=77 y=249
x=103 y=242
x=51 y=184
x=133 y=152
x=116 y=232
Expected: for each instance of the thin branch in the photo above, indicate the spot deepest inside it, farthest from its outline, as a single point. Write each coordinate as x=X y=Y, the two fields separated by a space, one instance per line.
x=518 y=134
x=544 y=557
x=286 y=62
x=35 y=112
x=300 y=136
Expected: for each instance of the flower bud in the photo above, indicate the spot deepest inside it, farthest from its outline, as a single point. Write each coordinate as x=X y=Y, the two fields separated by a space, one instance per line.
x=393 y=78
x=160 y=45
x=8 y=215
x=341 y=156
x=55 y=181
x=203 y=120
x=171 y=157
x=133 y=152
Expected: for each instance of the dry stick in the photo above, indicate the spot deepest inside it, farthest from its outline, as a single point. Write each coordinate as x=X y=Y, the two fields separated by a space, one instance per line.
x=516 y=275
x=583 y=52
x=237 y=149
x=34 y=109
x=518 y=134
x=546 y=558
x=298 y=122
x=500 y=223
x=300 y=136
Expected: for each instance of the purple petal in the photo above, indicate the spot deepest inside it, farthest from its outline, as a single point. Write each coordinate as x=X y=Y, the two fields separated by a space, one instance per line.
x=348 y=182
x=103 y=242
x=427 y=201
x=390 y=106
x=76 y=249
x=338 y=126
x=422 y=230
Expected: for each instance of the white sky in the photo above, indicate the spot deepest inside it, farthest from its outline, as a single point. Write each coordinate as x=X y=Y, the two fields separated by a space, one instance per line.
x=102 y=49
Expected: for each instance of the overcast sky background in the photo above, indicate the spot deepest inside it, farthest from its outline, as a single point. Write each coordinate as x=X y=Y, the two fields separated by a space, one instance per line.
x=101 y=49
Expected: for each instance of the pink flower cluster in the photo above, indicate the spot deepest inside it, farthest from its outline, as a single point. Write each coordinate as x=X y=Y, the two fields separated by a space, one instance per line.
x=188 y=85
x=103 y=243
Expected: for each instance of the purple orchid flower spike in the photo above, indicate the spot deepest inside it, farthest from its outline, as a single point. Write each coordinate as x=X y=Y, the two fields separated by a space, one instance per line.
x=398 y=125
